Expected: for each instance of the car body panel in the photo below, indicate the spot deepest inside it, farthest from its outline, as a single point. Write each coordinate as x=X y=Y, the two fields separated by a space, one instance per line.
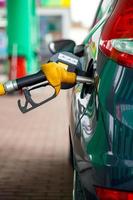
x=101 y=118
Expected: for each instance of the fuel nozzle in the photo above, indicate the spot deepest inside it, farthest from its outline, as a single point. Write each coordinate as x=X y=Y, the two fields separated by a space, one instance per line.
x=63 y=71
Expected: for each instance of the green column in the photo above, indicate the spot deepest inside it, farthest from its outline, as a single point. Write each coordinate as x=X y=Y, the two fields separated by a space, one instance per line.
x=21 y=31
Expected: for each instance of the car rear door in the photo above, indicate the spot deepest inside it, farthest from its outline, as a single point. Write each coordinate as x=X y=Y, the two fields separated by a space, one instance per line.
x=84 y=101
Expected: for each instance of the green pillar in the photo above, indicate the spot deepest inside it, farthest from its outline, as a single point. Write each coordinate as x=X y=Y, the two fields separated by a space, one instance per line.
x=22 y=31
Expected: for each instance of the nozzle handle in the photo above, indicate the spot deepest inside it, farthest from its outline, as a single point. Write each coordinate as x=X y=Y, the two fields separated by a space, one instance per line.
x=30 y=80
x=26 y=81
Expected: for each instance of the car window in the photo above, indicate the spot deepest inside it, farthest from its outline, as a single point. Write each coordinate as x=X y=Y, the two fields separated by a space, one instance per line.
x=103 y=7
x=92 y=40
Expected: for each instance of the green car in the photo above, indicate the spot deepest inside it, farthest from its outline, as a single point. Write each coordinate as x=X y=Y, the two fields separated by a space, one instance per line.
x=101 y=121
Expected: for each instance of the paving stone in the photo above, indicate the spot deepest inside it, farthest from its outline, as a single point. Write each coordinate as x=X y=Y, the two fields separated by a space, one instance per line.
x=34 y=151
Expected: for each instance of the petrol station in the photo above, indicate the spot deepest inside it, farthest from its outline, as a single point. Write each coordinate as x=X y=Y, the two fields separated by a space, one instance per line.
x=29 y=157
x=66 y=100
x=27 y=23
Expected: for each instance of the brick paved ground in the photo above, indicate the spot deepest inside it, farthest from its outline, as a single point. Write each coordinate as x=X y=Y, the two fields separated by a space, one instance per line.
x=34 y=152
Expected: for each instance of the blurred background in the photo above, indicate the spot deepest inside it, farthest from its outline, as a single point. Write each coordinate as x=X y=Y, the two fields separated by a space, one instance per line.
x=34 y=148
x=26 y=28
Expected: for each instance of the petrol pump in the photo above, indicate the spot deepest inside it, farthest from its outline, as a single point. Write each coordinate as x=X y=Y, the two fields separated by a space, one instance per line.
x=22 y=35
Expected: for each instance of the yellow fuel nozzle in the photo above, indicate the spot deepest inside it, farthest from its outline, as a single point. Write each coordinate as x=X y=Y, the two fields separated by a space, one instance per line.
x=56 y=75
x=2 y=90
